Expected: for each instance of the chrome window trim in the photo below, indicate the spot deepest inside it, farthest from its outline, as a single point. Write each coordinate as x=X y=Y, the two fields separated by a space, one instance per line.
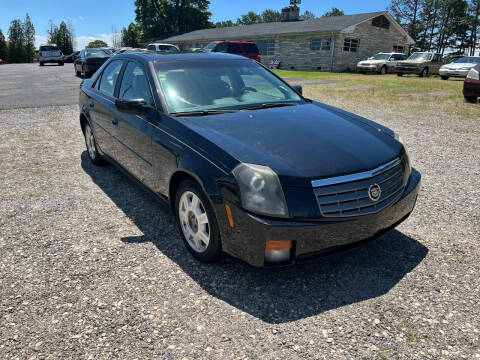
x=355 y=177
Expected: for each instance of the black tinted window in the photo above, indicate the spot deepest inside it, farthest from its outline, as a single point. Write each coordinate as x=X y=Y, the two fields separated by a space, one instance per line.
x=135 y=84
x=110 y=76
x=49 y=48
x=96 y=53
x=151 y=47
x=250 y=48
x=221 y=47
x=234 y=48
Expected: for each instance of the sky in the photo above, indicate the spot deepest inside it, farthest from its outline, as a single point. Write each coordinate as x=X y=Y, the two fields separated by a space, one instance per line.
x=95 y=19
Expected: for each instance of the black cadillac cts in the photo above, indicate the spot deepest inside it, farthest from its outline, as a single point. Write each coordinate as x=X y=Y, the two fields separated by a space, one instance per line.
x=248 y=165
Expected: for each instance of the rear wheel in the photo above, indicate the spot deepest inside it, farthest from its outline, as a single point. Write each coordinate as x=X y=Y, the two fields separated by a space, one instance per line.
x=91 y=143
x=41 y=63
x=383 y=70
x=472 y=99
x=444 y=77
x=399 y=74
x=60 y=63
x=424 y=72
x=197 y=222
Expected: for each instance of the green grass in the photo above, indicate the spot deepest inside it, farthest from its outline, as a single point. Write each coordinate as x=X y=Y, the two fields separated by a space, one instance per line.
x=412 y=336
x=389 y=91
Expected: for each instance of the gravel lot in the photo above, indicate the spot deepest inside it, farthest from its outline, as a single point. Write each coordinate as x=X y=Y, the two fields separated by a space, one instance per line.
x=92 y=267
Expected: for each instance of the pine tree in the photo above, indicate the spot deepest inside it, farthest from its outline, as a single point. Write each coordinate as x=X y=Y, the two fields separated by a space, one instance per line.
x=29 y=37
x=16 y=49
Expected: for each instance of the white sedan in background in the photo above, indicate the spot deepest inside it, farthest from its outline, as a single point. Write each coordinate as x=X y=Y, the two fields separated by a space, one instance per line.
x=459 y=68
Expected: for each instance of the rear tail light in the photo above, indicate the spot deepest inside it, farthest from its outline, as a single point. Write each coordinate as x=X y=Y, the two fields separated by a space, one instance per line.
x=257 y=58
x=278 y=250
x=40 y=53
x=91 y=62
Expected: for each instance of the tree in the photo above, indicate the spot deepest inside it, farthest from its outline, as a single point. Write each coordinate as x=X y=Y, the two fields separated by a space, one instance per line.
x=157 y=18
x=307 y=15
x=3 y=46
x=97 y=44
x=16 y=50
x=227 y=23
x=334 y=12
x=408 y=12
x=62 y=36
x=270 y=15
x=475 y=23
x=29 y=38
x=249 y=19
x=130 y=36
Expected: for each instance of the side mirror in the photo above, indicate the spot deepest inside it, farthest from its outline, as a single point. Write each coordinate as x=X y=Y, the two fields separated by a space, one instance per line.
x=298 y=89
x=131 y=106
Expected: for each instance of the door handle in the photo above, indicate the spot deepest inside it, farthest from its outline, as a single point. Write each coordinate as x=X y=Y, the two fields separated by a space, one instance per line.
x=114 y=121
x=92 y=104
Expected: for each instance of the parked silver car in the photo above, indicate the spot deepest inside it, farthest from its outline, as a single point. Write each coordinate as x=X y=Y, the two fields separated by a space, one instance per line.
x=163 y=48
x=50 y=53
x=381 y=63
x=459 y=67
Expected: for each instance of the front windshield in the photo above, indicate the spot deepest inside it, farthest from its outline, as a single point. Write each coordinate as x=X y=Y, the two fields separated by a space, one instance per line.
x=207 y=85
x=209 y=46
x=97 y=53
x=468 y=60
x=380 y=57
x=420 y=56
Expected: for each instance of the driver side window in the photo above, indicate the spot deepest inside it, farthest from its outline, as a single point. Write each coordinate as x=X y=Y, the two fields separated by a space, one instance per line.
x=135 y=84
x=109 y=77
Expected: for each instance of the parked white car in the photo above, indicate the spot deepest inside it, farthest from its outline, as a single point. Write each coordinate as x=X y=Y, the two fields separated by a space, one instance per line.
x=50 y=53
x=459 y=67
x=163 y=48
x=381 y=63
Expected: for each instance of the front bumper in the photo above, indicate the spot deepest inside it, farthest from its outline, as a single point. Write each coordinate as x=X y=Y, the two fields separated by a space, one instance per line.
x=453 y=73
x=367 y=68
x=313 y=238
x=471 y=88
x=408 y=69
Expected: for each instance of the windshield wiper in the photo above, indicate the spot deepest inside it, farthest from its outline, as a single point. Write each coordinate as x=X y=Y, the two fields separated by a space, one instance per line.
x=270 y=105
x=202 y=112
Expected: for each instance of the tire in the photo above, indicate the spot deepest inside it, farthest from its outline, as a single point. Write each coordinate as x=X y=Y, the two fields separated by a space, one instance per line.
x=41 y=64
x=78 y=73
x=197 y=222
x=444 y=77
x=471 y=99
x=383 y=70
x=91 y=144
x=60 y=63
x=399 y=74
x=424 y=72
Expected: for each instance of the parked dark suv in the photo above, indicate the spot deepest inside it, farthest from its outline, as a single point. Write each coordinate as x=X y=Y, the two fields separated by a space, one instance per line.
x=245 y=48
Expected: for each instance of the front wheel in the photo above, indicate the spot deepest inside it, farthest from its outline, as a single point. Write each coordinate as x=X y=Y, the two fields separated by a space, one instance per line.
x=399 y=74
x=197 y=222
x=444 y=77
x=91 y=143
x=471 y=99
x=60 y=63
x=41 y=63
x=383 y=70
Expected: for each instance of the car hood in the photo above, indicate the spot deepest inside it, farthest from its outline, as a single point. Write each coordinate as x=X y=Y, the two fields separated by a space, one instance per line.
x=300 y=143
x=459 y=65
x=371 y=62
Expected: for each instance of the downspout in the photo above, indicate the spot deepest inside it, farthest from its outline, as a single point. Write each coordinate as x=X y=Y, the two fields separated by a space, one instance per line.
x=333 y=52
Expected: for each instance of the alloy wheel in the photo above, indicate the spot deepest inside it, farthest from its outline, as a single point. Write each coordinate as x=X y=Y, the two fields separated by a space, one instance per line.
x=194 y=221
x=90 y=140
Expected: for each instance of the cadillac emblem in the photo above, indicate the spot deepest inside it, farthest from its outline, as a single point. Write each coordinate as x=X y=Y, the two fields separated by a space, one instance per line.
x=374 y=192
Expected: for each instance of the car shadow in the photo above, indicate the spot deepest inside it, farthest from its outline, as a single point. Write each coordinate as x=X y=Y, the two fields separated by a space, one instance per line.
x=274 y=295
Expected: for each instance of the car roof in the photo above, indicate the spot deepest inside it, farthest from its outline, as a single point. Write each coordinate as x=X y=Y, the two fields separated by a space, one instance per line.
x=155 y=57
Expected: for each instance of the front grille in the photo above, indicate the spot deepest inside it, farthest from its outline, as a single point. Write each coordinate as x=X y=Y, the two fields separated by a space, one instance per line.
x=349 y=195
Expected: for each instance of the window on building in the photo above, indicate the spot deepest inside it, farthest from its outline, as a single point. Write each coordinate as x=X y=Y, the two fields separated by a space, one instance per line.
x=381 y=22
x=350 y=45
x=266 y=47
x=399 y=49
x=320 y=44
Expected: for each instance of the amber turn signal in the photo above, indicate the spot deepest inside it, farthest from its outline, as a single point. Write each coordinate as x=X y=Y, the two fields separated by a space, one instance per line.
x=229 y=216
x=278 y=245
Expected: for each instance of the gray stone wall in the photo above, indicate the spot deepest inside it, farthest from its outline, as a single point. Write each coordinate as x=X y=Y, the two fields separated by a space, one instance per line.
x=295 y=51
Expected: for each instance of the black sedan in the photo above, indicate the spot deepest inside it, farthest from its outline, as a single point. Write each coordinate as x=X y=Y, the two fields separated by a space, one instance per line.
x=249 y=166
x=90 y=60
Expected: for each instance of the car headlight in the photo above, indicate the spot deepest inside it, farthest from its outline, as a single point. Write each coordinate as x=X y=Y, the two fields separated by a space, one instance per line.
x=400 y=140
x=260 y=189
x=473 y=74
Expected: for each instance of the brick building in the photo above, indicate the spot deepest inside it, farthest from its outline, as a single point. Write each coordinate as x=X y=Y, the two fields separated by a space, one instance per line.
x=327 y=44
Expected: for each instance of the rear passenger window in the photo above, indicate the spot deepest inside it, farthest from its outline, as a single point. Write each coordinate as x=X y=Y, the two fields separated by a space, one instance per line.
x=135 y=84
x=109 y=77
x=234 y=48
x=151 y=47
x=221 y=47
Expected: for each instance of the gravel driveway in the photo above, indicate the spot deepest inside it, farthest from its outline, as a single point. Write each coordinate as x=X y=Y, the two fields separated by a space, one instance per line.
x=92 y=267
